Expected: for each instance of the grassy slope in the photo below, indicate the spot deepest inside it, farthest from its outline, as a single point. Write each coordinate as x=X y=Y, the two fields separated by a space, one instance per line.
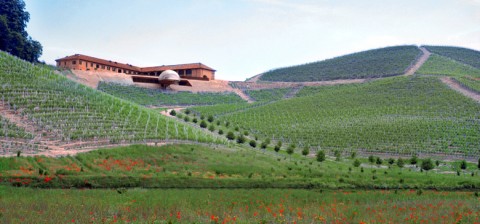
x=145 y=96
x=71 y=111
x=24 y=205
x=268 y=94
x=439 y=65
x=463 y=55
x=189 y=166
x=470 y=83
x=396 y=114
x=382 y=62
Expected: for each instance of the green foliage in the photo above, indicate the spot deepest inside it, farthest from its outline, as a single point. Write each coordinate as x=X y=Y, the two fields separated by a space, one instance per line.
x=376 y=63
x=211 y=128
x=291 y=149
x=402 y=114
x=439 y=65
x=356 y=163
x=253 y=143
x=463 y=165
x=391 y=161
x=158 y=97
x=210 y=118
x=470 y=83
x=173 y=113
x=203 y=124
x=371 y=159
x=427 y=164
x=463 y=55
x=13 y=35
x=305 y=151
x=379 y=161
x=241 y=139
x=230 y=135
x=278 y=146
x=267 y=95
x=400 y=163
x=320 y=156
x=69 y=111
x=414 y=160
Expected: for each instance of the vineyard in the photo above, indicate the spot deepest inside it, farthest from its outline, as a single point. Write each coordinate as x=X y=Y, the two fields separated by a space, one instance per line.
x=403 y=115
x=376 y=63
x=157 y=97
x=439 y=65
x=470 y=83
x=466 y=56
x=268 y=95
x=61 y=110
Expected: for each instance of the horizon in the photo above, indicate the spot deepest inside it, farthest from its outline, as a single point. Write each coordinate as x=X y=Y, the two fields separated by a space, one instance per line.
x=241 y=39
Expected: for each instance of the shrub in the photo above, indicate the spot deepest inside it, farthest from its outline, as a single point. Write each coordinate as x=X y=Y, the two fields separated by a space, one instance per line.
x=413 y=160
x=400 y=163
x=427 y=164
x=371 y=159
x=173 y=113
x=203 y=124
x=338 y=155
x=379 y=161
x=291 y=149
x=356 y=163
x=353 y=155
x=187 y=111
x=391 y=161
x=245 y=133
x=241 y=139
x=320 y=156
x=211 y=128
x=230 y=135
x=220 y=132
x=195 y=120
x=210 y=119
x=253 y=143
x=463 y=165
x=305 y=151
x=186 y=119
x=478 y=165
x=278 y=146
x=264 y=145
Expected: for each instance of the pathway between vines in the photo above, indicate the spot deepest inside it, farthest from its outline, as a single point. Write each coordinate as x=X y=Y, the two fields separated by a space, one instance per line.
x=459 y=88
x=422 y=59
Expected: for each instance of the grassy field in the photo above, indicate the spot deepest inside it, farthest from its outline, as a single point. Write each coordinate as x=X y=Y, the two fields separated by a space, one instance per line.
x=401 y=115
x=156 y=97
x=375 y=63
x=193 y=166
x=26 y=205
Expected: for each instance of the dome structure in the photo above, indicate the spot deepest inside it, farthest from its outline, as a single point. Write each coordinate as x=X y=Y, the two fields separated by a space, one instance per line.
x=169 y=75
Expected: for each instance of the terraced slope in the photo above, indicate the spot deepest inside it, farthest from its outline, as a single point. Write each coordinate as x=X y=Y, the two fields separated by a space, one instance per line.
x=463 y=55
x=268 y=94
x=384 y=62
x=156 y=97
x=401 y=114
x=61 y=111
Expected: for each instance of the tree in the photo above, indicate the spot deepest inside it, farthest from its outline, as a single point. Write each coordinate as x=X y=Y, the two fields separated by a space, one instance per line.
x=220 y=132
x=210 y=118
x=400 y=163
x=173 y=113
x=305 y=151
x=13 y=36
x=379 y=161
x=353 y=155
x=356 y=163
x=186 y=118
x=264 y=144
x=241 y=139
x=320 y=156
x=338 y=155
x=187 y=111
x=211 y=128
x=391 y=161
x=230 y=135
x=463 y=165
x=427 y=164
x=253 y=143
x=478 y=165
x=291 y=149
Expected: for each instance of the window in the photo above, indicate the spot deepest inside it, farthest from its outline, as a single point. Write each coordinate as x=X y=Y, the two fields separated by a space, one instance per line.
x=188 y=72
x=80 y=62
x=91 y=64
x=64 y=63
x=113 y=69
x=74 y=62
x=181 y=72
x=103 y=66
x=98 y=66
x=119 y=70
x=108 y=68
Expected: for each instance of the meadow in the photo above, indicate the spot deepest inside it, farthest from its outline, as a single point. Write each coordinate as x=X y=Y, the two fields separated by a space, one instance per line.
x=27 y=205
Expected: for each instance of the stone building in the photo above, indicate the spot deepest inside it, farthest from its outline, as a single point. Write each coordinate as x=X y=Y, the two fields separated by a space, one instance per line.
x=196 y=71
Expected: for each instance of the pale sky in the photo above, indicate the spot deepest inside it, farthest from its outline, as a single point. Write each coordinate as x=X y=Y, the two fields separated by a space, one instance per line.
x=242 y=38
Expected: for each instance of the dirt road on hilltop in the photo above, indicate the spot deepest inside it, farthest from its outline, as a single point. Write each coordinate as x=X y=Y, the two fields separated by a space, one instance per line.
x=425 y=55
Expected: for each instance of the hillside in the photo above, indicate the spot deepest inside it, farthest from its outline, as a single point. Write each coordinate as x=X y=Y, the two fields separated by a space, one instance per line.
x=440 y=65
x=62 y=114
x=401 y=115
x=464 y=55
x=383 y=62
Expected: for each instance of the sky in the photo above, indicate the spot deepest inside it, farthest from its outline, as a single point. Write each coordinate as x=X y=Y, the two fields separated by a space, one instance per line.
x=243 y=38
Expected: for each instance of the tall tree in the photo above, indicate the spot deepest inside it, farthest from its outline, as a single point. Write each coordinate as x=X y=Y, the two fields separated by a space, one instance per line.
x=13 y=35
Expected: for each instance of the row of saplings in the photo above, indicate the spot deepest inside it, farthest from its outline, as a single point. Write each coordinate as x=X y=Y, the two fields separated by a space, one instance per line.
x=424 y=164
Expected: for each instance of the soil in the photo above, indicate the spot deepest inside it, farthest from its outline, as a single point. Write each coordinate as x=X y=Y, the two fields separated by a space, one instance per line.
x=425 y=55
x=459 y=88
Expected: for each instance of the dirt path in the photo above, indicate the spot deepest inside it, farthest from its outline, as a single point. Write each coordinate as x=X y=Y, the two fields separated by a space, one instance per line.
x=459 y=88
x=425 y=55
x=244 y=96
x=167 y=112
x=255 y=78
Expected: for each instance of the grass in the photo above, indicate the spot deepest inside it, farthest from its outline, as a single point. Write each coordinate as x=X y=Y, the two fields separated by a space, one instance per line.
x=439 y=65
x=389 y=61
x=190 y=166
x=157 y=97
x=402 y=115
x=26 y=205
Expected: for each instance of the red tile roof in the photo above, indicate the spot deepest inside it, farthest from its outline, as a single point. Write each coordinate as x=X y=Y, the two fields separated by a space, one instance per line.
x=135 y=68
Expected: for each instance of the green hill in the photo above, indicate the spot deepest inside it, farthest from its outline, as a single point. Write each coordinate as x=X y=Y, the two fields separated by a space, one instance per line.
x=463 y=55
x=383 y=62
x=440 y=65
x=401 y=115
x=63 y=110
